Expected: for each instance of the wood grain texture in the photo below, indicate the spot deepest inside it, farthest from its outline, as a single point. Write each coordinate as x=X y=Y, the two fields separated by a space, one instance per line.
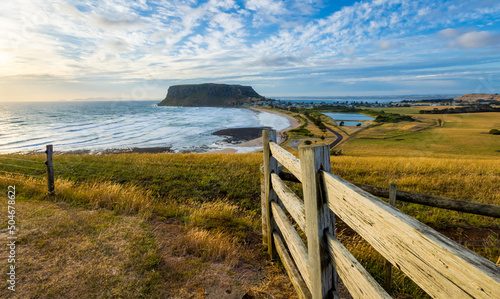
x=293 y=204
x=440 y=266
x=288 y=160
x=318 y=219
x=388 y=266
x=297 y=248
x=263 y=205
x=436 y=201
x=270 y=165
x=291 y=269
x=357 y=280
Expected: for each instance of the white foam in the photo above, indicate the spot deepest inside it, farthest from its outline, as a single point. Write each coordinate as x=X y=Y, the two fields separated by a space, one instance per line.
x=103 y=126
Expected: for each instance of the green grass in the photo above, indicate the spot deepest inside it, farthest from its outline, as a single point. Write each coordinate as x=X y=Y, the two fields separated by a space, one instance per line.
x=204 y=209
x=460 y=135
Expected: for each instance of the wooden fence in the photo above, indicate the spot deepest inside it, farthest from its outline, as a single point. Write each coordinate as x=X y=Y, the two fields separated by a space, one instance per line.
x=440 y=266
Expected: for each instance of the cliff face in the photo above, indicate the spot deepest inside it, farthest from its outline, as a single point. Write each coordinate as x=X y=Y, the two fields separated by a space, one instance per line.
x=209 y=95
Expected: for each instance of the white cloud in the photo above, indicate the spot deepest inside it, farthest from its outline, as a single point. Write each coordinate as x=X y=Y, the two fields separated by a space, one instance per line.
x=72 y=40
x=477 y=39
x=388 y=45
x=469 y=40
x=449 y=32
x=266 y=6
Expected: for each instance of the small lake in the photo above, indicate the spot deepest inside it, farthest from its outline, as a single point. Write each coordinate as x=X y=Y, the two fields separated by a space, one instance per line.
x=348 y=116
x=350 y=123
x=349 y=119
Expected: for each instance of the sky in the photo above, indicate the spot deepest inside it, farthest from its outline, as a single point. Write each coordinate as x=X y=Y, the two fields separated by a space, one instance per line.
x=91 y=50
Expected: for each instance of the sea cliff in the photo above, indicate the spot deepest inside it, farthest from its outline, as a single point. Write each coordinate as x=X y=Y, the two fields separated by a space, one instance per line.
x=210 y=95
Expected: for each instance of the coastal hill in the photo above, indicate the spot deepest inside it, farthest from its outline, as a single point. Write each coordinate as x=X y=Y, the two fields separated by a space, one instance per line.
x=209 y=95
x=478 y=97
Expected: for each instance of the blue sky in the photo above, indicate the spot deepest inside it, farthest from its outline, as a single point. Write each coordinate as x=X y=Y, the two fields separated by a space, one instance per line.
x=65 y=50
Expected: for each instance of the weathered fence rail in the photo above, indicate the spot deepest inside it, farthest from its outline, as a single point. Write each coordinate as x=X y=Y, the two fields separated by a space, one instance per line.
x=435 y=201
x=437 y=264
x=423 y=199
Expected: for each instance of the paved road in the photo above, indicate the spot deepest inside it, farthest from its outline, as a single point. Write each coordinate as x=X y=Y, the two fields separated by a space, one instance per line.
x=295 y=143
x=339 y=137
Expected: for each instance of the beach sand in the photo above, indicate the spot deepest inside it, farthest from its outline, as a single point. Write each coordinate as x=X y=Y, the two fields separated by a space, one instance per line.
x=247 y=137
x=257 y=142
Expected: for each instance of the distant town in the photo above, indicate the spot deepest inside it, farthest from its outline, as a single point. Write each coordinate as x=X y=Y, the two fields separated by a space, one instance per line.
x=462 y=106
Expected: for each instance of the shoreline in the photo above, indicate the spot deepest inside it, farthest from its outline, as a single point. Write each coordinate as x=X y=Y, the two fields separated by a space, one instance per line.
x=257 y=142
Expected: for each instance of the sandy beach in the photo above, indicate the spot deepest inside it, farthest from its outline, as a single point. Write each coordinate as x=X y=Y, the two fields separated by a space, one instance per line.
x=240 y=137
x=257 y=142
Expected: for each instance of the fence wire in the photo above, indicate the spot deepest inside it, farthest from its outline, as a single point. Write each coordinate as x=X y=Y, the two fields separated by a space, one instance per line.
x=25 y=167
x=24 y=160
x=19 y=180
x=22 y=174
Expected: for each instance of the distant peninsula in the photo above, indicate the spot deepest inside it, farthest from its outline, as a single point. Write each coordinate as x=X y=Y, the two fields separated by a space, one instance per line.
x=479 y=98
x=210 y=95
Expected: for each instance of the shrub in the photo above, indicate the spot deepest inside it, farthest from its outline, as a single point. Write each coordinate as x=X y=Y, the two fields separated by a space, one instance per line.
x=495 y=132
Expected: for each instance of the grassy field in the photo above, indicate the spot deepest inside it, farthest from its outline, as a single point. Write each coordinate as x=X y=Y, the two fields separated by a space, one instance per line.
x=440 y=135
x=193 y=220
x=121 y=240
x=188 y=225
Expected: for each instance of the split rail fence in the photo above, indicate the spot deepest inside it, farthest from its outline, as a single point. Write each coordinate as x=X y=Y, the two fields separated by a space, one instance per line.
x=440 y=266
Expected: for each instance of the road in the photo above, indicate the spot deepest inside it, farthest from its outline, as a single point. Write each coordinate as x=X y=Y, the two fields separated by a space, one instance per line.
x=338 y=140
x=295 y=143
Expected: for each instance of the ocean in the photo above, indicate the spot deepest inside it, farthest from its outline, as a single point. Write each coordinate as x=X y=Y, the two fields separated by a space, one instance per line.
x=98 y=126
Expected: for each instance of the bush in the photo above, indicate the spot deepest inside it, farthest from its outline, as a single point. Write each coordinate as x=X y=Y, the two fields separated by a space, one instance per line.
x=495 y=132
x=308 y=142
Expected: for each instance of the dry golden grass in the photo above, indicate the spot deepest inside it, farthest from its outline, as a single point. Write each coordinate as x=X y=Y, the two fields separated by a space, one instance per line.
x=390 y=130
x=469 y=179
x=100 y=233
x=67 y=252
x=459 y=135
x=213 y=244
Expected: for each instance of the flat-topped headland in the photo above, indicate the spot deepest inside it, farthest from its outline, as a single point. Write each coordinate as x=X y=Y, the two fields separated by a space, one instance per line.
x=210 y=95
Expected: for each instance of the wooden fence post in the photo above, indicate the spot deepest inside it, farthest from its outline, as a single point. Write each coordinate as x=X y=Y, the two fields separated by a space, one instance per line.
x=388 y=265
x=263 y=204
x=270 y=166
x=50 y=170
x=319 y=219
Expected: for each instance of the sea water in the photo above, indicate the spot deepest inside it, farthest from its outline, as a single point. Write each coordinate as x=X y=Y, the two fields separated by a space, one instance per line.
x=97 y=126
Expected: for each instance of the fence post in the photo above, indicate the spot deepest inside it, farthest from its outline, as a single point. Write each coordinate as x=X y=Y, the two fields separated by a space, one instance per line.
x=262 y=204
x=50 y=170
x=270 y=166
x=388 y=265
x=319 y=219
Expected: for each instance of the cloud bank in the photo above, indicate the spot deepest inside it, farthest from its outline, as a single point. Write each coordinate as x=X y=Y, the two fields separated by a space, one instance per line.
x=74 y=49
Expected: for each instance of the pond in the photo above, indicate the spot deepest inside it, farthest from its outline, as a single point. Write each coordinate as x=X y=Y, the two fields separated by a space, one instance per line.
x=349 y=119
x=348 y=116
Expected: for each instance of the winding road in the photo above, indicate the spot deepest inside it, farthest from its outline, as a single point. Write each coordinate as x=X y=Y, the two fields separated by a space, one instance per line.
x=295 y=142
x=338 y=140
